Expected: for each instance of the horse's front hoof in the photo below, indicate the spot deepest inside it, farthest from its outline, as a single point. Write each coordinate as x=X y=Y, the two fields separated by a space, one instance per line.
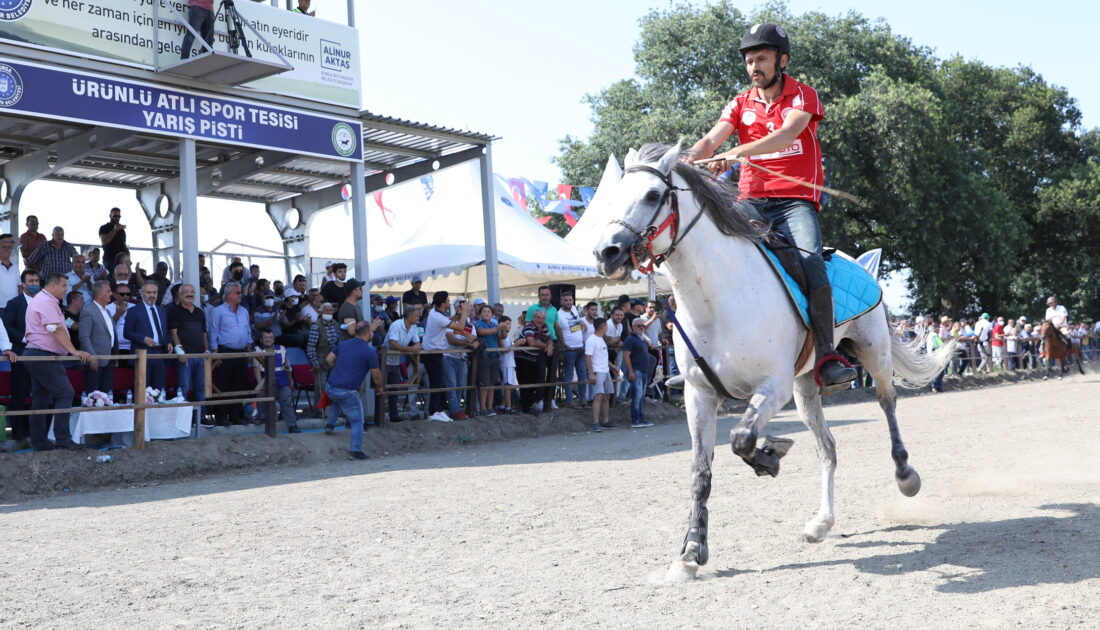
x=680 y=571
x=908 y=482
x=816 y=529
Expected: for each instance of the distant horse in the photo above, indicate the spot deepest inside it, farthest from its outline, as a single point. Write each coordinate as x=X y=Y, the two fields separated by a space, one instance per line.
x=737 y=313
x=1055 y=349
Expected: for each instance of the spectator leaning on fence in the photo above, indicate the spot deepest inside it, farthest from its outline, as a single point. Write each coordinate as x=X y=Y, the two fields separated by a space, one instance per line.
x=488 y=363
x=230 y=332
x=187 y=329
x=403 y=339
x=324 y=334
x=352 y=360
x=97 y=337
x=600 y=373
x=47 y=336
x=54 y=256
x=15 y=327
x=534 y=349
x=551 y=322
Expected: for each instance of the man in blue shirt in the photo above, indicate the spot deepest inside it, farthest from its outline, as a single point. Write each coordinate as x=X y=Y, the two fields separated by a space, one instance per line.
x=351 y=360
x=636 y=360
x=230 y=331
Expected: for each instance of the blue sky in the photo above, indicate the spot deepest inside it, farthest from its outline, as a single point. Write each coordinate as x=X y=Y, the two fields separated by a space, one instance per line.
x=519 y=69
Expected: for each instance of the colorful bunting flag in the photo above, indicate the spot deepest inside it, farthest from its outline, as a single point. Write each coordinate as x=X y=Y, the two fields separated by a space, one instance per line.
x=429 y=187
x=519 y=191
x=587 y=193
x=565 y=191
x=571 y=218
x=540 y=190
x=543 y=220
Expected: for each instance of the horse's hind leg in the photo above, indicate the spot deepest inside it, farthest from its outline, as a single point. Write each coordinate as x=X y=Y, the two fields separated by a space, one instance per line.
x=879 y=362
x=702 y=412
x=807 y=397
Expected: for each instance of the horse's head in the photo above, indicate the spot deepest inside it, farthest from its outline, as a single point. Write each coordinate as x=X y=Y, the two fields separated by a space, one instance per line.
x=640 y=203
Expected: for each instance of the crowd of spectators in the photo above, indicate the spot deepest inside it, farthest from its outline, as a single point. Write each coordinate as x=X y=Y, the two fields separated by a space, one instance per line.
x=71 y=303
x=988 y=344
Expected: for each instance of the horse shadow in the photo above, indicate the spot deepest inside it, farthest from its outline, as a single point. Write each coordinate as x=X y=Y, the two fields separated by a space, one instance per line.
x=986 y=556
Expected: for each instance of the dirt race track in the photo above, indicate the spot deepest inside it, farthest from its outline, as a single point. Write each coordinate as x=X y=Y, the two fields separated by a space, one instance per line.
x=575 y=531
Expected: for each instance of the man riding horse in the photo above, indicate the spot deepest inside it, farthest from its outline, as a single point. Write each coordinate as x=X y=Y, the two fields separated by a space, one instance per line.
x=1058 y=316
x=776 y=123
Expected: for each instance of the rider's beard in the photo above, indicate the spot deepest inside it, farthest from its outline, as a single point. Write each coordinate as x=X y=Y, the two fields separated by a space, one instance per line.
x=759 y=80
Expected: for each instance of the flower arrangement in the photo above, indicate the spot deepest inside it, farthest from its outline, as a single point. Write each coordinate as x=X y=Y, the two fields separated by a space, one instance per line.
x=153 y=395
x=96 y=399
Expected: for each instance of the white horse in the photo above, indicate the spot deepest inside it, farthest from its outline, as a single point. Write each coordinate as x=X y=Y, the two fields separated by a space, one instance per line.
x=737 y=314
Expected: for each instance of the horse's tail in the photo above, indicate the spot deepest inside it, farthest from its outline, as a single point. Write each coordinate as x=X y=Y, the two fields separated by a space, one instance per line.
x=917 y=368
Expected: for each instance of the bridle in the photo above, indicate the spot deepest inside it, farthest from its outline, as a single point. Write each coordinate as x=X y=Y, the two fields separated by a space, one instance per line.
x=642 y=249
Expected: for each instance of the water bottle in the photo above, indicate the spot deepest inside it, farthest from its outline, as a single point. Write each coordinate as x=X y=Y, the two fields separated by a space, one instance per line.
x=105 y=458
x=129 y=397
x=111 y=395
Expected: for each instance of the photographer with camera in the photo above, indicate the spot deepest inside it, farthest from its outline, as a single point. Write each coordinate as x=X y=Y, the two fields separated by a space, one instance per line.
x=200 y=15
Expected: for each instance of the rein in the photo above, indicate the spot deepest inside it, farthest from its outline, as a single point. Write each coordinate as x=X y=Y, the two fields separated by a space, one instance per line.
x=641 y=253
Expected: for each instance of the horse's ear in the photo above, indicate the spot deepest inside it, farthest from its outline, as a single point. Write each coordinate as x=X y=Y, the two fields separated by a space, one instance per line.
x=669 y=159
x=631 y=158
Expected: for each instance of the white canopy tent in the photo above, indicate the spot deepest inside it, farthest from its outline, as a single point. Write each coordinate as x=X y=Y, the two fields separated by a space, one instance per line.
x=586 y=234
x=447 y=246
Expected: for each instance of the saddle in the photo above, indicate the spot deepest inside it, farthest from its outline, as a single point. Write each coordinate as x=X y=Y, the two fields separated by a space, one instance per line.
x=855 y=291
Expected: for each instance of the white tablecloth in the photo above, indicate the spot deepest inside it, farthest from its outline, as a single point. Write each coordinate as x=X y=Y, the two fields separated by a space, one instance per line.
x=160 y=423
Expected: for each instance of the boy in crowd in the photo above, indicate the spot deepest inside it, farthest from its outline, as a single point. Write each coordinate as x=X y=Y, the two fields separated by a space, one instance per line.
x=600 y=373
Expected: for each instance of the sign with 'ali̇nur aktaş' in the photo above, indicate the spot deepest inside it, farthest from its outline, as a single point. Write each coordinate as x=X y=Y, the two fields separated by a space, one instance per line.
x=51 y=92
x=324 y=54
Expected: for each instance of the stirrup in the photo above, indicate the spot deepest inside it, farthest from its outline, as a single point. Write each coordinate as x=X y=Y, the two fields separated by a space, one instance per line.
x=832 y=356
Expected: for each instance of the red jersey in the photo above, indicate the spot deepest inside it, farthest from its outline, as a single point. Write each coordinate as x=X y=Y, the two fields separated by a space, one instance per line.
x=752 y=119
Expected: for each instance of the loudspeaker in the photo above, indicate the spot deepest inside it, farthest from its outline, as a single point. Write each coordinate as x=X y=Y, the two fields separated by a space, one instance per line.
x=557 y=289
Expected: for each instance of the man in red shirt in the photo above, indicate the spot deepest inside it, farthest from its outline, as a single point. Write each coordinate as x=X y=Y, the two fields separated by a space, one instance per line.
x=776 y=125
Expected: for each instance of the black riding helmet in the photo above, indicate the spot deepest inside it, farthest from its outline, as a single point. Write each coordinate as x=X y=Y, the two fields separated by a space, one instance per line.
x=772 y=36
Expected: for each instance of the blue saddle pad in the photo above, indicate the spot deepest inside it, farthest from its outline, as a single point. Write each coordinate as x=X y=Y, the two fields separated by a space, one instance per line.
x=854 y=290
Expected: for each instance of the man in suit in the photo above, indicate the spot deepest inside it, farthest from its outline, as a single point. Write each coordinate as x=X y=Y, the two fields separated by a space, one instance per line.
x=97 y=336
x=147 y=327
x=15 y=324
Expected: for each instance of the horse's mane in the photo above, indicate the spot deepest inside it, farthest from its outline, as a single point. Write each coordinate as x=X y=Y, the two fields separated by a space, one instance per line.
x=715 y=196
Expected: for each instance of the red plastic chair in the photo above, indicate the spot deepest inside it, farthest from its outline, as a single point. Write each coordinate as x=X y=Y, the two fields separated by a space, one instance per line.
x=303 y=383
x=5 y=388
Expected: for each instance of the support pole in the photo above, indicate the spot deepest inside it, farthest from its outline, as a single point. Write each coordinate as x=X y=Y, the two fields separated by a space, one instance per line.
x=351 y=13
x=269 y=406
x=359 y=222
x=488 y=215
x=189 y=213
x=139 y=397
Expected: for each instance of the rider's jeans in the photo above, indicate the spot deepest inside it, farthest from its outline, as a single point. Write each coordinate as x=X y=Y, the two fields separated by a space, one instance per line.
x=797 y=220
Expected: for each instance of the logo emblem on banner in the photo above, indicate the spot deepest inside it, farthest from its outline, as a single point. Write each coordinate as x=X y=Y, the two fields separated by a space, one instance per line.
x=343 y=139
x=12 y=10
x=11 y=86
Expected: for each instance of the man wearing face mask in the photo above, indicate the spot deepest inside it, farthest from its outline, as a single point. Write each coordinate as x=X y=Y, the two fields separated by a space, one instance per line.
x=15 y=324
x=266 y=317
x=324 y=334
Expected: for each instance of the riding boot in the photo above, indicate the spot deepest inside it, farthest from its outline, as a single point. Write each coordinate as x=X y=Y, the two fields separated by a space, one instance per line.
x=831 y=370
